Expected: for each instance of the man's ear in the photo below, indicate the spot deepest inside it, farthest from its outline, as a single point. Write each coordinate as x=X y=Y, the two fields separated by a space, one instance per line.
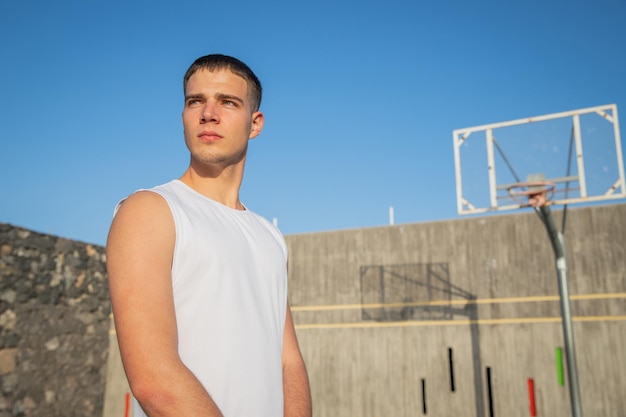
x=257 y=124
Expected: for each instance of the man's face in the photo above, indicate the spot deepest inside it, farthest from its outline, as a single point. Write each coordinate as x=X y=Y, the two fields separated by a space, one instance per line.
x=218 y=118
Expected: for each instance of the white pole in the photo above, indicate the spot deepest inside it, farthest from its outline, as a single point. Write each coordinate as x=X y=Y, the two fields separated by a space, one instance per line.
x=391 y=215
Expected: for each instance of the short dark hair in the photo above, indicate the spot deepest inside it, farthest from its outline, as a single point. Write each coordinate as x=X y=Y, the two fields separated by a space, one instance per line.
x=215 y=62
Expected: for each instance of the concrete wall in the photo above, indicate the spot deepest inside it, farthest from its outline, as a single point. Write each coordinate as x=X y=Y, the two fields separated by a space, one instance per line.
x=379 y=310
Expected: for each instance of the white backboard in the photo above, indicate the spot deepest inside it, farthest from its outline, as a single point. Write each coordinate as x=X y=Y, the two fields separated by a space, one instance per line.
x=578 y=151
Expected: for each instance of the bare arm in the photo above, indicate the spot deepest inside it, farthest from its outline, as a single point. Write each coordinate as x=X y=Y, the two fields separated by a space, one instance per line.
x=139 y=259
x=295 y=380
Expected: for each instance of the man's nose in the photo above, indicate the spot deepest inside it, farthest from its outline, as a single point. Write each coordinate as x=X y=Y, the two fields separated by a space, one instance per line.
x=210 y=113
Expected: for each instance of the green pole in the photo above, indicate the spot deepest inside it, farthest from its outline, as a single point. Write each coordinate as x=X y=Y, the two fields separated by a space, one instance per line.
x=559 y=366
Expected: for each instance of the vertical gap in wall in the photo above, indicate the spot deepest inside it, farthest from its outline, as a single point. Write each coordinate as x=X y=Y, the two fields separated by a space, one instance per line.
x=489 y=392
x=423 y=396
x=451 y=365
x=531 y=397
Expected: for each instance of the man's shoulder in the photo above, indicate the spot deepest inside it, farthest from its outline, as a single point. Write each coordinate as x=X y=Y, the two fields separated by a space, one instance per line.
x=142 y=203
x=140 y=215
x=145 y=196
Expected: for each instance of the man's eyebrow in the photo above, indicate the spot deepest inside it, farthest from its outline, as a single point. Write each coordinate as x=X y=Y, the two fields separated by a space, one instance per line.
x=194 y=96
x=224 y=96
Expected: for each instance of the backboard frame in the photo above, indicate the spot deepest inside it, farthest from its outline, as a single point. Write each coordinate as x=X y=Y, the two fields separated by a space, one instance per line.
x=617 y=189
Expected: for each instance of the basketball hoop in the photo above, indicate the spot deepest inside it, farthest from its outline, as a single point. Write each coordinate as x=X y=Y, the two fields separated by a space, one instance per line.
x=532 y=193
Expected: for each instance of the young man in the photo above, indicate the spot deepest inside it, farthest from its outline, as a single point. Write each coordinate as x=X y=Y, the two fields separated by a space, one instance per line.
x=198 y=282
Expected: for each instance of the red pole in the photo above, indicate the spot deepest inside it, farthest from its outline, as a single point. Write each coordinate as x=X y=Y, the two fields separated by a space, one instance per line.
x=531 y=397
x=127 y=406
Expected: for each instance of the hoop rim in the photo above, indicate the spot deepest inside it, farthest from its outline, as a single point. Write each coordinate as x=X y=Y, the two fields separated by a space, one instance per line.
x=533 y=190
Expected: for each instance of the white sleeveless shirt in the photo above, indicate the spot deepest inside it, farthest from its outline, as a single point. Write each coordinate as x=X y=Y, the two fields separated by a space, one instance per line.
x=229 y=278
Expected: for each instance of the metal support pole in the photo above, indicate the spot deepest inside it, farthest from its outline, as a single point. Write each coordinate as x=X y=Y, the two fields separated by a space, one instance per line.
x=558 y=244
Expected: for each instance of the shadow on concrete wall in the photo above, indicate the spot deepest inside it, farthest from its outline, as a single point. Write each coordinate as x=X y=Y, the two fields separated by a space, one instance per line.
x=419 y=292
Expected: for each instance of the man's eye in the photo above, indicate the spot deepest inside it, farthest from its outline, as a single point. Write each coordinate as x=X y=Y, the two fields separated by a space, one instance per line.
x=230 y=103
x=193 y=102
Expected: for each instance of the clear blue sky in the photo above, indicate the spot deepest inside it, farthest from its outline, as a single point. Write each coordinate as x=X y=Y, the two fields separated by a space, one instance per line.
x=361 y=98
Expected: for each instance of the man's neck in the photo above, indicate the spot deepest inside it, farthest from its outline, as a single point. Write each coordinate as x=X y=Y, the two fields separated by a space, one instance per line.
x=218 y=185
